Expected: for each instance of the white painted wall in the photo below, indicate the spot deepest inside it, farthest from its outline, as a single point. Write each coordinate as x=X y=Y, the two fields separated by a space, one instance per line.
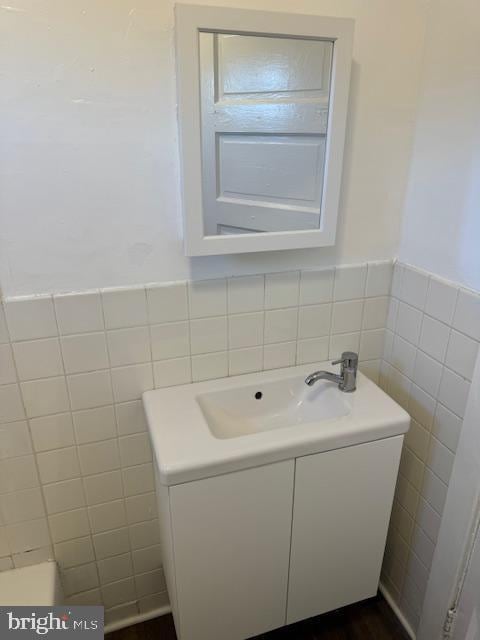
x=88 y=161
x=442 y=213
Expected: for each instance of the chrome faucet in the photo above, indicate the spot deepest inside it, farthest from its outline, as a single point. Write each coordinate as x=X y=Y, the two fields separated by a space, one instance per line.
x=348 y=373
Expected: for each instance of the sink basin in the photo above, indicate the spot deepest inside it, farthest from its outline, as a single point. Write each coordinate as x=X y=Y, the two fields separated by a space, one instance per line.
x=209 y=428
x=240 y=411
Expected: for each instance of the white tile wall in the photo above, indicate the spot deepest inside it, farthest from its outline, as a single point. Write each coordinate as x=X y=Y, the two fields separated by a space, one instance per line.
x=431 y=344
x=76 y=474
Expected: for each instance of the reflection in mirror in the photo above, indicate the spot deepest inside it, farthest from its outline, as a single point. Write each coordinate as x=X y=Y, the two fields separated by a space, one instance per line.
x=264 y=115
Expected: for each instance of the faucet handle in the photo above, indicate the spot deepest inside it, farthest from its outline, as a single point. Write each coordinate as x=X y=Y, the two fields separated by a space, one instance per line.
x=349 y=359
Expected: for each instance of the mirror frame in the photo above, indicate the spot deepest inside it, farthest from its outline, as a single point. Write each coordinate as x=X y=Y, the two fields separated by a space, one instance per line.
x=189 y=21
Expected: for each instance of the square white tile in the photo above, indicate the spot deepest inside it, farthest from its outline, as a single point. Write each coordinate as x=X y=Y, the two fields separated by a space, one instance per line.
x=119 y=592
x=441 y=300
x=168 y=373
x=440 y=460
x=21 y=506
x=58 y=464
x=144 y=534
x=409 y=323
x=103 y=487
x=371 y=344
x=467 y=314
x=245 y=293
x=89 y=390
x=93 y=425
x=8 y=374
x=208 y=335
x=427 y=373
x=42 y=397
x=116 y=568
x=277 y=356
x=130 y=382
x=281 y=325
x=375 y=313
x=434 y=338
x=446 y=427
x=343 y=342
x=17 y=474
x=124 y=308
x=171 y=340
x=64 y=496
x=379 y=278
x=106 y=516
x=245 y=330
x=347 y=316
x=312 y=350
x=350 y=282
x=80 y=578
x=414 y=287
x=461 y=354
x=167 y=302
x=69 y=525
x=314 y=321
x=99 y=457
x=74 y=552
x=282 y=289
x=434 y=490
x=142 y=507
x=129 y=346
x=453 y=392
x=11 y=405
x=397 y=279
x=15 y=439
x=84 y=352
x=38 y=359
x=135 y=449
x=130 y=417
x=79 y=312
x=247 y=360
x=403 y=356
x=210 y=366
x=29 y=535
x=111 y=543
x=31 y=318
x=207 y=298
x=4 y=337
x=138 y=479
x=316 y=286
x=421 y=406
x=150 y=583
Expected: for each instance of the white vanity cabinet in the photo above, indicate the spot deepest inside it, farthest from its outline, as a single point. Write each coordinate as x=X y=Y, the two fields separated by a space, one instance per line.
x=252 y=550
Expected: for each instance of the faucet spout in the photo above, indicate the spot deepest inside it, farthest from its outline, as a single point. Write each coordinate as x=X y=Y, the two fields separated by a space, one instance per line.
x=322 y=375
x=347 y=380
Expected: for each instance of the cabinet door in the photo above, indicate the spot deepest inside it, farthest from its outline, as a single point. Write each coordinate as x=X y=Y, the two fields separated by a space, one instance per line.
x=231 y=538
x=342 y=507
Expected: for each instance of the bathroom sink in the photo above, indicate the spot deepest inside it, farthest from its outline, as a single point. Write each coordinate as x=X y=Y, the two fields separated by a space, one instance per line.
x=209 y=428
x=236 y=412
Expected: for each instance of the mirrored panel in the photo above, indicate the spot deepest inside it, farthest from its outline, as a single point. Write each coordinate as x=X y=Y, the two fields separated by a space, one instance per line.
x=264 y=114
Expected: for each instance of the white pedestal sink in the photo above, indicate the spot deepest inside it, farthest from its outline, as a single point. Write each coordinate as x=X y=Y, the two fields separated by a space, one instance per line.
x=274 y=497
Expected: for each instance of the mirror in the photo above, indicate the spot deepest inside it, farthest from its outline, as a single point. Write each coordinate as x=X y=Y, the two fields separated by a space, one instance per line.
x=262 y=104
x=264 y=113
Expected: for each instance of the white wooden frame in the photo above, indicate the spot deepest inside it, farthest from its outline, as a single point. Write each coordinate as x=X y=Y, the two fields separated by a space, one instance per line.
x=190 y=20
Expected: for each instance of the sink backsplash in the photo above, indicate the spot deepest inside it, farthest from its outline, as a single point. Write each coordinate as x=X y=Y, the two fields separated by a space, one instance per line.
x=75 y=461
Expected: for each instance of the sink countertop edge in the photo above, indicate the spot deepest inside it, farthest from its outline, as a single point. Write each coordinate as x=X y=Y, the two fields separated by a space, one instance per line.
x=268 y=449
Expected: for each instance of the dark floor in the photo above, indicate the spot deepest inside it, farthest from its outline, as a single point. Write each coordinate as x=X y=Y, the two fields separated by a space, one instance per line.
x=368 y=620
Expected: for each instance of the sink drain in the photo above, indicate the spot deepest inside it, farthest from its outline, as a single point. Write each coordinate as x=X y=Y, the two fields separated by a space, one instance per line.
x=258 y=395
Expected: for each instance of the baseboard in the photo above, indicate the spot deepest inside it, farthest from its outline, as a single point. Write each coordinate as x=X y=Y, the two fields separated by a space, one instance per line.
x=396 y=610
x=162 y=611
x=140 y=617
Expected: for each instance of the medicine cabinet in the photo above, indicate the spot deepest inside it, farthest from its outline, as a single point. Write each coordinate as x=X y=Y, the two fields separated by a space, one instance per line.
x=262 y=106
